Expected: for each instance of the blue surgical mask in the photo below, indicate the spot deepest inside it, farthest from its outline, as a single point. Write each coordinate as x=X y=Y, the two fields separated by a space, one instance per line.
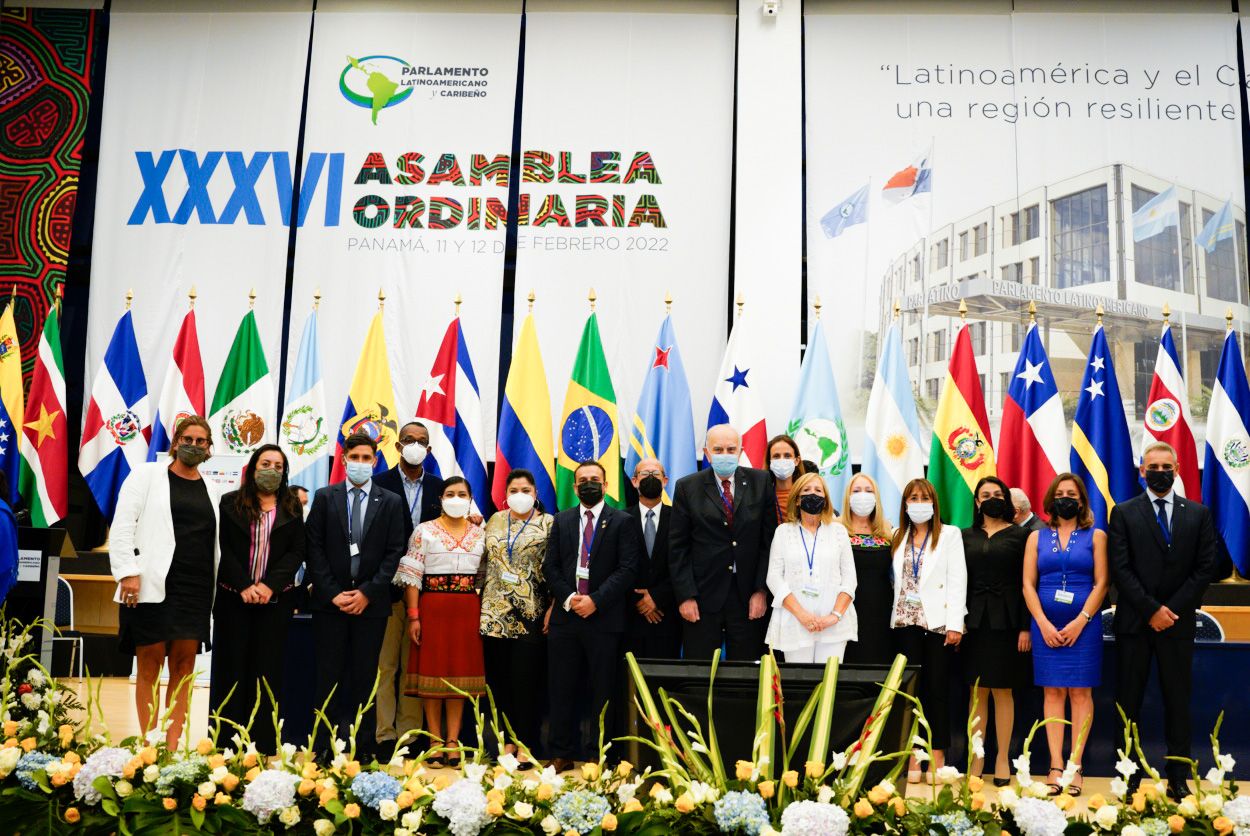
x=358 y=472
x=724 y=464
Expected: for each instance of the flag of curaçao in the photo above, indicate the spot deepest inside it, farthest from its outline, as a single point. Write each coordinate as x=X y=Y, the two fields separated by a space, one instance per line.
x=961 y=451
x=588 y=426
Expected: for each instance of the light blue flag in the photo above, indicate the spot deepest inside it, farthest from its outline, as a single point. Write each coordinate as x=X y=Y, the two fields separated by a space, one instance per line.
x=1157 y=214
x=892 y=452
x=848 y=213
x=1226 y=464
x=1220 y=227
x=664 y=421
x=816 y=418
x=305 y=433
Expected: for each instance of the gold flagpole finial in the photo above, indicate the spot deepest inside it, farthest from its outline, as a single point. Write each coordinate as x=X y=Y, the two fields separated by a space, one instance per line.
x=740 y=303
x=458 y=301
x=60 y=294
x=897 y=308
x=816 y=305
x=1098 y=312
x=1228 y=318
x=381 y=298
x=668 y=302
x=130 y=296
x=530 y=300
x=963 y=310
x=191 y=294
x=317 y=299
x=1032 y=312
x=1167 y=313
x=251 y=299
x=13 y=295
x=591 y=297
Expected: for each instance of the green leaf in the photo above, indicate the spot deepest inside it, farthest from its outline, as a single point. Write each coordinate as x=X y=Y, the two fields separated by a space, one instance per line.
x=197 y=818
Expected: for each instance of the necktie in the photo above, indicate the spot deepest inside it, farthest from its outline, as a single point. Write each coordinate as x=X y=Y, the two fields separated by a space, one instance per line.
x=648 y=531
x=727 y=499
x=1163 y=520
x=588 y=539
x=357 y=522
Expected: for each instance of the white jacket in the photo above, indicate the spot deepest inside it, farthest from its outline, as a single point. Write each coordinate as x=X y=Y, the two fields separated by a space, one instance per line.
x=943 y=581
x=833 y=572
x=141 y=541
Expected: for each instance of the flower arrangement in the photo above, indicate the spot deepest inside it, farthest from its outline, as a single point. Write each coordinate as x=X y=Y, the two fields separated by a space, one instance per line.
x=794 y=784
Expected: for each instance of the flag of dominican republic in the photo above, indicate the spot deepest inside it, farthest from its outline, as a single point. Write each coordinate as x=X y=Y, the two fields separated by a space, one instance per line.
x=961 y=451
x=736 y=400
x=1226 y=469
x=892 y=454
x=1167 y=417
x=916 y=178
x=1102 y=454
x=664 y=421
x=44 y=446
x=115 y=431
x=182 y=393
x=1033 y=436
x=451 y=402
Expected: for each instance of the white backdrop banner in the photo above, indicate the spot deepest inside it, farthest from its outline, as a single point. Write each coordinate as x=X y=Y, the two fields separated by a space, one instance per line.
x=410 y=118
x=1019 y=146
x=626 y=189
x=195 y=182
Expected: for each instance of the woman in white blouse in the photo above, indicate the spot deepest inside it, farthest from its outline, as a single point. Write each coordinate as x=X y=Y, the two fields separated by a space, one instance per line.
x=811 y=575
x=439 y=576
x=930 y=601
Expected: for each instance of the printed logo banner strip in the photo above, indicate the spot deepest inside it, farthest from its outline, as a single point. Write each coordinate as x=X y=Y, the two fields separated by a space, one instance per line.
x=407 y=147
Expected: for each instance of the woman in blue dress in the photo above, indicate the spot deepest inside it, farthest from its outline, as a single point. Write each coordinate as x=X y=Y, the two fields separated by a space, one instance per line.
x=1065 y=579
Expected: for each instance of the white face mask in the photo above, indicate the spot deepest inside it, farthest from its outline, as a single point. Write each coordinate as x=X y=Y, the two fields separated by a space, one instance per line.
x=920 y=512
x=456 y=506
x=863 y=503
x=415 y=453
x=521 y=503
x=782 y=468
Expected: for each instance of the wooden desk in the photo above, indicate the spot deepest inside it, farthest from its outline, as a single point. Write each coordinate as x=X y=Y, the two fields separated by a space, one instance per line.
x=94 y=610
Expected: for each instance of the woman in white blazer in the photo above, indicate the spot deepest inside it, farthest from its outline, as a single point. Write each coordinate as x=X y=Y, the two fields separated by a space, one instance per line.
x=163 y=554
x=811 y=575
x=930 y=601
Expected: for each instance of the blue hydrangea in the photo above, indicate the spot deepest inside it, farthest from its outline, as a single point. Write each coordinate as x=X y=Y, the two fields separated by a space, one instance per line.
x=740 y=812
x=31 y=763
x=580 y=810
x=110 y=761
x=188 y=773
x=1155 y=827
x=372 y=788
x=956 y=824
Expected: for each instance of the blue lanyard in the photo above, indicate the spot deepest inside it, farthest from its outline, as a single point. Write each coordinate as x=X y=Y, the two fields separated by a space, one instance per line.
x=416 y=500
x=512 y=540
x=915 y=560
x=811 y=555
x=1063 y=555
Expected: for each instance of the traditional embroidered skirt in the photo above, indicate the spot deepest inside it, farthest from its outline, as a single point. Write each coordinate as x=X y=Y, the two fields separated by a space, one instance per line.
x=450 y=652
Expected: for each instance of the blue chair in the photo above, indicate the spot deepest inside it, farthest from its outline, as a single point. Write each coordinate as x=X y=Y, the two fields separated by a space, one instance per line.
x=1209 y=628
x=64 y=619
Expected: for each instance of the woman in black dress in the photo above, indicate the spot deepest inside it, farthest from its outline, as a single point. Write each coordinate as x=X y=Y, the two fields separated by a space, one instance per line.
x=262 y=546
x=997 y=642
x=163 y=554
x=874 y=592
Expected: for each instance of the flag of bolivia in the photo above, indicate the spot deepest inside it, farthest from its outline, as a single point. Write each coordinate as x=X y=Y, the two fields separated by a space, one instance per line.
x=961 y=451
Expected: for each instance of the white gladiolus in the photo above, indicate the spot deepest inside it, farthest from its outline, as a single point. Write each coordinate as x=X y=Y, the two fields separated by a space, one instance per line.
x=839 y=761
x=825 y=794
x=1007 y=798
x=509 y=762
x=474 y=771
x=1119 y=787
x=978 y=745
x=1125 y=767
x=1215 y=776
x=502 y=782
x=920 y=755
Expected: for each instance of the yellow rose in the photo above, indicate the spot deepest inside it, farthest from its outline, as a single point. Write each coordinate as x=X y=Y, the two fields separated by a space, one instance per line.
x=814 y=769
x=790 y=778
x=443 y=781
x=216 y=761
x=352 y=811
x=494 y=797
x=684 y=803
x=327 y=796
x=10 y=728
x=1064 y=802
x=306 y=787
x=204 y=746
x=10 y=743
x=221 y=798
x=66 y=733
x=71 y=757
x=1223 y=825
x=494 y=809
x=148 y=755
x=249 y=760
x=590 y=771
x=131 y=767
x=878 y=796
x=405 y=800
x=624 y=768
x=29 y=744
x=251 y=774
x=1139 y=801
x=351 y=769
x=230 y=782
x=743 y=770
x=1150 y=791
x=310 y=770
x=608 y=824
x=900 y=806
x=60 y=779
x=632 y=806
x=1097 y=801
x=975 y=783
x=72 y=815
x=1176 y=823
x=766 y=788
x=544 y=792
x=863 y=808
x=169 y=803
x=198 y=802
x=978 y=801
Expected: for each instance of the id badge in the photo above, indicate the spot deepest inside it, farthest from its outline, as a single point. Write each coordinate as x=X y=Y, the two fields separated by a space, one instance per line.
x=914 y=600
x=583 y=573
x=353 y=549
x=510 y=577
x=811 y=592
x=1063 y=596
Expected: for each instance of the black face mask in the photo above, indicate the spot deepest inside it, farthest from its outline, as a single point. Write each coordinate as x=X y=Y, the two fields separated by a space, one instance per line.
x=1160 y=481
x=590 y=493
x=650 y=487
x=812 y=503
x=1066 y=507
x=998 y=508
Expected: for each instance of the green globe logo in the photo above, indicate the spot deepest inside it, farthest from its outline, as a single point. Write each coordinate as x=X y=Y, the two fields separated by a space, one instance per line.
x=370 y=82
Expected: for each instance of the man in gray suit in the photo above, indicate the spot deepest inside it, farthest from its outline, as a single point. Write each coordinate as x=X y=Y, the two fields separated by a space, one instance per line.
x=1025 y=518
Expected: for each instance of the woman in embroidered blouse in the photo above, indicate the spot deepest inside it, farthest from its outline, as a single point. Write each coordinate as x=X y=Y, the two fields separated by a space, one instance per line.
x=439 y=575
x=811 y=575
x=870 y=535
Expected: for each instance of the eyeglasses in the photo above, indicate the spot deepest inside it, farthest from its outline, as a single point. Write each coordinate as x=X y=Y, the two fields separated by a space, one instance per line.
x=193 y=441
x=643 y=474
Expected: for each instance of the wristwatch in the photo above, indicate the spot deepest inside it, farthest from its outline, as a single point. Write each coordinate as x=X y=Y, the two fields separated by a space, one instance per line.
x=1088 y=617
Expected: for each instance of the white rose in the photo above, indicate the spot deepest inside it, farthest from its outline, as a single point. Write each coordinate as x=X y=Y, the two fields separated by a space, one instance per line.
x=825 y=794
x=663 y=796
x=218 y=775
x=151 y=773
x=503 y=782
x=1107 y=816
x=1007 y=798
x=947 y=774
x=1212 y=805
x=550 y=826
x=207 y=789
x=1188 y=808
x=530 y=784
x=289 y=816
x=388 y=810
x=402 y=831
x=1132 y=830
x=8 y=760
x=412 y=821
x=123 y=788
x=323 y=827
x=523 y=810
x=1037 y=790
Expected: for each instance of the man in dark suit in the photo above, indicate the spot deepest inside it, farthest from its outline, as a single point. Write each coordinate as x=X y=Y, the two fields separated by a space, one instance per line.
x=1025 y=518
x=721 y=531
x=355 y=540
x=1162 y=550
x=593 y=554
x=653 y=628
x=419 y=490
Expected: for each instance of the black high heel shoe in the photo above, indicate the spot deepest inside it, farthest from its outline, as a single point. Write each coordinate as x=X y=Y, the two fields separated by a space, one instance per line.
x=1073 y=789
x=1001 y=782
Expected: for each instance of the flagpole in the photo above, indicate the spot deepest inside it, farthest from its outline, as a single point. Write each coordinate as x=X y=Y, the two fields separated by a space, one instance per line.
x=191 y=298
x=108 y=529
